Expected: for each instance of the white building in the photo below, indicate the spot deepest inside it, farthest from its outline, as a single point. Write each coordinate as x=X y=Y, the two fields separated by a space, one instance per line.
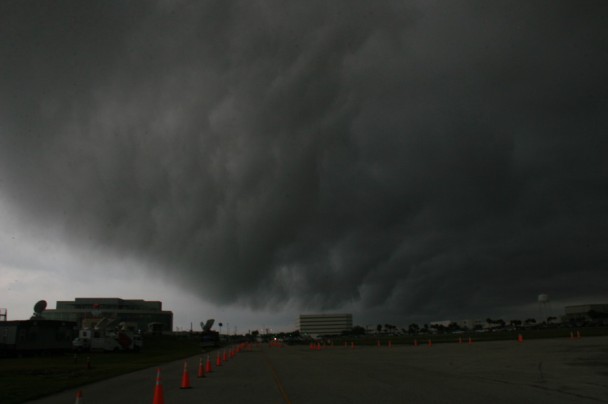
x=325 y=324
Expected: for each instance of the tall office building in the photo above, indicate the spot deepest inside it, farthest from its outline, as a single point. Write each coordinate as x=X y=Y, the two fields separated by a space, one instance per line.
x=325 y=324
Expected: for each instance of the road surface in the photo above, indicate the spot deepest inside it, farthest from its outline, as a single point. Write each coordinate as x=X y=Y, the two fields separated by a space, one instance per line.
x=539 y=371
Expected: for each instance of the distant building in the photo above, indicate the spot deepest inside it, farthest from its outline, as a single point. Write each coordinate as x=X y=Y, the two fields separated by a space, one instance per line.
x=325 y=324
x=443 y=323
x=586 y=308
x=139 y=314
x=472 y=324
x=460 y=325
x=595 y=313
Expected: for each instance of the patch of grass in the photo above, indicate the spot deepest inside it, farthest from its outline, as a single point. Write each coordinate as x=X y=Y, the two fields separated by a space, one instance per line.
x=28 y=378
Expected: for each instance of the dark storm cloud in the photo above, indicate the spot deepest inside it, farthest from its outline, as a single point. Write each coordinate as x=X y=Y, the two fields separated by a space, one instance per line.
x=431 y=157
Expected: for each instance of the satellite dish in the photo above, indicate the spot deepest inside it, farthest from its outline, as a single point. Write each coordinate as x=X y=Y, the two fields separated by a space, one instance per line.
x=207 y=326
x=39 y=307
x=543 y=298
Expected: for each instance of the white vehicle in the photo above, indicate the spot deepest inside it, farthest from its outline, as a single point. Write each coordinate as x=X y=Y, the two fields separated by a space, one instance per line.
x=103 y=339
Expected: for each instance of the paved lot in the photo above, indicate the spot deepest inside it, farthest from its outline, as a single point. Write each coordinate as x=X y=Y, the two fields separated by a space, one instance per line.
x=540 y=371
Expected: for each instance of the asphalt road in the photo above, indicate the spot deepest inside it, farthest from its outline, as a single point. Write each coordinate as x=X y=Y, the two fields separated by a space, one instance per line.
x=539 y=371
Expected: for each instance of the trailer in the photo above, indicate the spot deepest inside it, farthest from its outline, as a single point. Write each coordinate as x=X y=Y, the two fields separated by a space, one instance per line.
x=36 y=336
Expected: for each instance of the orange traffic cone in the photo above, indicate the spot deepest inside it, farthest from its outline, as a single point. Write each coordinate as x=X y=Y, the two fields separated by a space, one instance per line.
x=224 y=357
x=520 y=338
x=218 y=361
x=430 y=343
x=158 y=390
x=185 y=378
x=415 y=342
x=390 y=344
x=352 y=345
x=79 y=399
x=208 y=366
x=201 y=369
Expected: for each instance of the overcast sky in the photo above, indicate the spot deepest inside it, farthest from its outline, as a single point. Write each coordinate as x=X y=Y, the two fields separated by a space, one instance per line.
x=252 y=160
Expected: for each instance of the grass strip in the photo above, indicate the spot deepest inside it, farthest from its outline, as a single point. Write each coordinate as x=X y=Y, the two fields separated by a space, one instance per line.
x=29 y=378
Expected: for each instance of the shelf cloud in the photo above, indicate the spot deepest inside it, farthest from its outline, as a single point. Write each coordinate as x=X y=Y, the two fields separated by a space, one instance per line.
x=420 y=158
